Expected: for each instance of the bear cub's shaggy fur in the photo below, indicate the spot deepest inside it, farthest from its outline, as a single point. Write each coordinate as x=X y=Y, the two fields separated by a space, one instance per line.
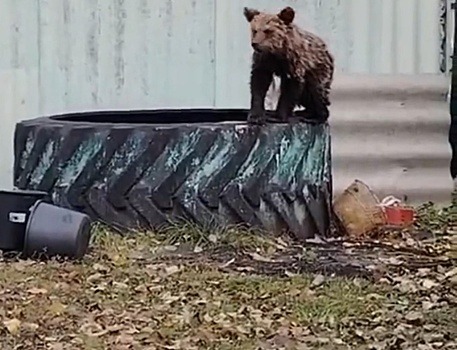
x=301 y=59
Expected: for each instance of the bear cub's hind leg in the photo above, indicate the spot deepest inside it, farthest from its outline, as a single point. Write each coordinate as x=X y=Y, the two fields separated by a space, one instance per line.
x=291 y=90
x=313 y=99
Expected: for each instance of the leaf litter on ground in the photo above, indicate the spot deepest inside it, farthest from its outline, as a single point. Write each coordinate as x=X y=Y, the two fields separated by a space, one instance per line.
x=191 y=288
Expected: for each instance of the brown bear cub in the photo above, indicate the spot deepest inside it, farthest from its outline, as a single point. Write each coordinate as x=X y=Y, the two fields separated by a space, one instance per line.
x=301 y=59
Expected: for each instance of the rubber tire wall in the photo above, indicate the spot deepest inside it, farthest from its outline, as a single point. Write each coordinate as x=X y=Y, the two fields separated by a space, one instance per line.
x=276 y=177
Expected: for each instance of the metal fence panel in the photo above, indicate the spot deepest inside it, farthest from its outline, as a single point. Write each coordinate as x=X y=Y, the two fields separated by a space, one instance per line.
x=124 y=54
x=19 y=74
x=392 y=133
x=366 y=36
x=62 y=55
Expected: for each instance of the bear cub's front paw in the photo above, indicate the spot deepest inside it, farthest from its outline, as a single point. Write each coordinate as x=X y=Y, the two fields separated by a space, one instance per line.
x=256 y=117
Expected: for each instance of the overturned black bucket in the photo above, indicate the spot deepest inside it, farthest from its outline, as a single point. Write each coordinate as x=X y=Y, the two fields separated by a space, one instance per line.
x=53 y=230
x=14 y=213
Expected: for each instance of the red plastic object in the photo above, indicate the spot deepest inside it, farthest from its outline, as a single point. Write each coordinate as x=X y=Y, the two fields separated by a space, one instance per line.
x=399 y=215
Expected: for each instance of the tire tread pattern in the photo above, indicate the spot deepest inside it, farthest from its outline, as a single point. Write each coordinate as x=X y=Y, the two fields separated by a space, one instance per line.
x=275 y=177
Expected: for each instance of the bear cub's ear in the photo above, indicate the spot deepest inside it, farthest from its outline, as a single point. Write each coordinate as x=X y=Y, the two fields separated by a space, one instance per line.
x=250 y=13
x=287 y=15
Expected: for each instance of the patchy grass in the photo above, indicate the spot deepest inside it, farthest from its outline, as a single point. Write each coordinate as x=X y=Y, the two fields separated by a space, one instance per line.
x=435 y=219
x=181 y=288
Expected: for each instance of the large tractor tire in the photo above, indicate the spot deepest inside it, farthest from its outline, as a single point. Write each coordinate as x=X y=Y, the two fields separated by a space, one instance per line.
x=146 y=168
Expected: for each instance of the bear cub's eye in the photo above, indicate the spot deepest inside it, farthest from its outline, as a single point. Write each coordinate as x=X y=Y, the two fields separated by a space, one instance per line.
x=268 y=31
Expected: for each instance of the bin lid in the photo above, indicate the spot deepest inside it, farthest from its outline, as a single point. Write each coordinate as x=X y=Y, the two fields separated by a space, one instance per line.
x=16 y=191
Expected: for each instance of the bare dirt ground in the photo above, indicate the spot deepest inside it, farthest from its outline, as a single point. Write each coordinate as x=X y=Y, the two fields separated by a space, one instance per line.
x=188 y=288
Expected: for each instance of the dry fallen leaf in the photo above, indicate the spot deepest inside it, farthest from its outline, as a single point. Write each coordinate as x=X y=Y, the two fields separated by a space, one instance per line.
x=429 y=284
x=426 y=305
x=13 y=326
x=245 y=269
x=56 y=346
x=414 y=317
x=31 y=326
x=338 y=341
x=56 y=308
x=318 y=281
x=37 y=291
x=258 y=257
x=381 y=345
x=169 y=270
x=453 y=280
x=213 y=238
x=359 y=333
x=100 y=267
x=423 y=347
x=228 y=263
x=451 y=273
x=94 y=278
x=170 y=248
x=394 y=261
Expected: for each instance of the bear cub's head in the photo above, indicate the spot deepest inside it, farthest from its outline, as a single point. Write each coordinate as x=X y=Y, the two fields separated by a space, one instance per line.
x=268 y=31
